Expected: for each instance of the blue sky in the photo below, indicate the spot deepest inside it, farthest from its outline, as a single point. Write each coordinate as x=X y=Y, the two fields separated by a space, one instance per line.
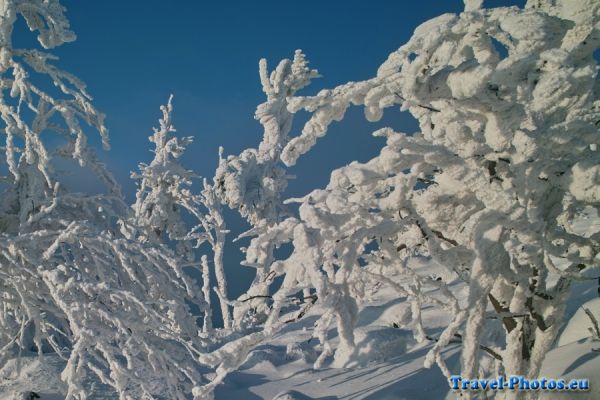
x=133 y=54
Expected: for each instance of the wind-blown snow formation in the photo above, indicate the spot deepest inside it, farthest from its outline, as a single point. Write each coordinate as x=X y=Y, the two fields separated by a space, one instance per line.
x=490 y=191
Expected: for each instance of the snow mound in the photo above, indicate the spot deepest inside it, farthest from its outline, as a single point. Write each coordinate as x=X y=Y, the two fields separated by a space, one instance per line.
x=38 y=375
x=576 y=360
x=576 y=356
x=293 y=395
x=377 y=344
x=579 y=326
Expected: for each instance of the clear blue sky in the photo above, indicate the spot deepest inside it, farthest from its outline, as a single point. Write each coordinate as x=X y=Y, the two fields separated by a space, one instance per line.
x=133 y=54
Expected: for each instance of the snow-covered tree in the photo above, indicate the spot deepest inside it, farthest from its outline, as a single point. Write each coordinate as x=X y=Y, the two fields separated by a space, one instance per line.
x=505 y=161
x=507 y=103
x=164 y=187
x=254 y=181
x=163 y=200
x=111 y=305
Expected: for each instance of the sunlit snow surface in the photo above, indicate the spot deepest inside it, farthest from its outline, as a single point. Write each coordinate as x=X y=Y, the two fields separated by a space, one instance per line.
x=388 y=363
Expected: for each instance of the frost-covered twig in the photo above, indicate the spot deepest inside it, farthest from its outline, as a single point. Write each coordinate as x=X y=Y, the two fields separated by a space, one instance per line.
x=596 y=330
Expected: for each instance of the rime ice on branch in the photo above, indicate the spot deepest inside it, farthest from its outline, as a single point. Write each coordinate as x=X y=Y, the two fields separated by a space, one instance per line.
x=506 y=157
x=253 y=182
x=505 y=160
x=110 y=305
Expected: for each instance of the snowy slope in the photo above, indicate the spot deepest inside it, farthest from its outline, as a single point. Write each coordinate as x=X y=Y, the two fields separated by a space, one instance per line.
x=387 y=365
x=282 y=369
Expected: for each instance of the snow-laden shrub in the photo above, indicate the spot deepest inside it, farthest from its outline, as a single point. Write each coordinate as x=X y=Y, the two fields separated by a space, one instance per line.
x=506 y=158
x=72 y=281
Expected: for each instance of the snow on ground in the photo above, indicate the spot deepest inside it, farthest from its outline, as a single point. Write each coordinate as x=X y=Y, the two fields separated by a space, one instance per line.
x=388 y=364
x=580 y=324
x=39 y=376
x=400 y=377
x=577 y=360
x=283 y=371
x=576 y=355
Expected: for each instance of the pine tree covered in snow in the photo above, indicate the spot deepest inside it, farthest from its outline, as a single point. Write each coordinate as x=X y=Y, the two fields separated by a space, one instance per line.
x=505 y=161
